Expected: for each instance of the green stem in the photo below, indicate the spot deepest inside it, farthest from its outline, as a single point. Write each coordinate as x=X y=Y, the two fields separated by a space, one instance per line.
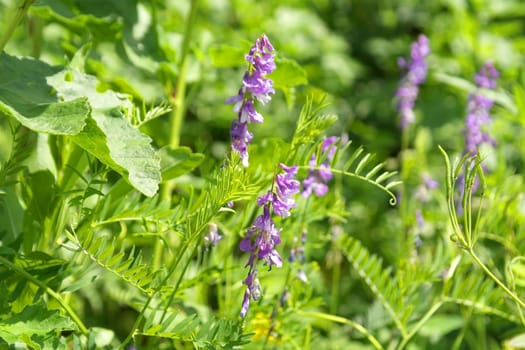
x=48 y=290
x=336 y=279
x=170 y=271
x=495 y=279
x=342 y=320
x=179 y=280
x=20 y=12
x=178 y=113
x=420 y=324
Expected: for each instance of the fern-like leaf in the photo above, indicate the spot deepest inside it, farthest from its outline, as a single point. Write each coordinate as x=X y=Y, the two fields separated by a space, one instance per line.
x=127 y=267
x=20 y=150
x=213 y=334
x=380 y=280
x=311 y=123
x=474 y=290
x=358 y=166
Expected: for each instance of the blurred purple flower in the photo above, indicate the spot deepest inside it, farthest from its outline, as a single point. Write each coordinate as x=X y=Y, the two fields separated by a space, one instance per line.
x=213 y=237
x=255 y=86
x=297 y=255
x=415 y=74
x=318 y=178
x=263 y=236
x=478 y=110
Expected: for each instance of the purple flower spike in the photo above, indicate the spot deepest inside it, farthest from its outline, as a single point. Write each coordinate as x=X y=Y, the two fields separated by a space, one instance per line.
x=479 y=107
x=262 y=237
x=317 y=179
x=255 y=87
x=415 y=74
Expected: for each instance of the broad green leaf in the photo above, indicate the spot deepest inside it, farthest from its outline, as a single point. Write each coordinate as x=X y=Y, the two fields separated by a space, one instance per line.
x=109 y=136
x=225 y=56
x=100 y=28
x=177 y=161
x=516 y=342
x=33 y=320
x=288 y=74
x=26 y=95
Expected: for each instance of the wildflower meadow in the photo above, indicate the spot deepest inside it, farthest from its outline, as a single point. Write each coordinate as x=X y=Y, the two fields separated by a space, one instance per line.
x=241 y=174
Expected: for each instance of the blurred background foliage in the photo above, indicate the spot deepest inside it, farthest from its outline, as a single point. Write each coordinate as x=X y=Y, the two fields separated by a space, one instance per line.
x=345 y=49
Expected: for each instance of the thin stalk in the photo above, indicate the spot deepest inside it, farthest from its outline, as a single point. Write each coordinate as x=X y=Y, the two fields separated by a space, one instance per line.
x=495 y=278
x=179 y=100
x=19 y=14
x=420 y=324
x=342 y=320
x=140 y=317
x=49 y=291
x=179 y=281
x=178 y=112
x=276 y=308
x=336 y=279
x=170 y=271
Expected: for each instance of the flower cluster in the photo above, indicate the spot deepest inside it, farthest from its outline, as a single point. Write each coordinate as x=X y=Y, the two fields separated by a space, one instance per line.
x=415 y=74
x=263 y=236
x=317 y=179
x=255 y=86
x=478 y=110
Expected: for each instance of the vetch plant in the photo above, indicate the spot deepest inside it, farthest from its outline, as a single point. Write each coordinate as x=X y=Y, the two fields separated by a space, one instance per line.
x=263 y=236
x=317 y=179
x=479 y=105
x=255 y=87
x=125 y=222
x=415 y=68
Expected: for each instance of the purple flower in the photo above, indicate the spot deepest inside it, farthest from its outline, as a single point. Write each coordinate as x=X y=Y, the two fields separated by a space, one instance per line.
x=253 y=291
x=281 y=199
x=317 y=179
x=262 y=237
x=430 y=182
x=240 y=139
x=419 y=219
x=423 y=189
x=415 y=74
x=255 y=87
x=213 y=237
x=478 y=110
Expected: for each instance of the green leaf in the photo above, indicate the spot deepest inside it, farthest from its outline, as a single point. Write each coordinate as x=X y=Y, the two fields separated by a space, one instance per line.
x=27 y=95
x=101 y=29
x=11 y=217
x=516 y=342
x=288 y=74
x=178 y=161
x=101 y=336
x=225 y=56
x=462 y=84
x=439 y=325
x=109 y=136
x=33 y=320
x=519 y=98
